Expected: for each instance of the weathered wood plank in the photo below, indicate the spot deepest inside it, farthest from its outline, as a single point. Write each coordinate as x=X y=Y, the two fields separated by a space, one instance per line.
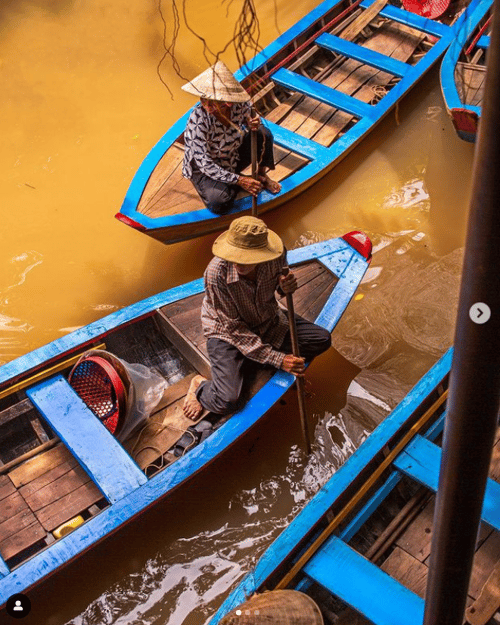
x=15 y=411
x=12 y=505
x=485 y=559
x=488 y=601
x=19 y=533
x=53 y=485
x=407 y=570
x=167 y=165
x=67 y=507
x=6 y=487
x=35 y=467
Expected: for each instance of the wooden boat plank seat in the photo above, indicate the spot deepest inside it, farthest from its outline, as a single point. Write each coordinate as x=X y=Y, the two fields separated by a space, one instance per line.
x=421 y=461
x=102 y=456
x=430 y=27
x=362 y=54
x=363 y=585
x=322 y=93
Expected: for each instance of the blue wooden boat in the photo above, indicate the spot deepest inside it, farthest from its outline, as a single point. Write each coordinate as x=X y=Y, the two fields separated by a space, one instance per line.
x=60 y=467
x=360 y=546
x=463 y=72
x=320 y=88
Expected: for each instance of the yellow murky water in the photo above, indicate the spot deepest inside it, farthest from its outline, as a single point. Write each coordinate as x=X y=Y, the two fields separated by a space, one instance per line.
x=82 y=105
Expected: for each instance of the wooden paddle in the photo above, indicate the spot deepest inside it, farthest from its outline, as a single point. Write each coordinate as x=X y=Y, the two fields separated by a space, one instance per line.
x=253 y=152
x=300 y=380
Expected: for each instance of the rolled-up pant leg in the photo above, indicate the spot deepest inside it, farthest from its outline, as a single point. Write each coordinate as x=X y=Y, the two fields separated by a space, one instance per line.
x=222 y=393
x=313 y=339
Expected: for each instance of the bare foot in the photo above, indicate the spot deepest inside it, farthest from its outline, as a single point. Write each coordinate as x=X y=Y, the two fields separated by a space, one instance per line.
x=271 y=185
x=192 y=408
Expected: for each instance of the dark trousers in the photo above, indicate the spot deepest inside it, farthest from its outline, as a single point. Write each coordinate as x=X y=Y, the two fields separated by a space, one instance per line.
x=219 y=196
x=222 y=394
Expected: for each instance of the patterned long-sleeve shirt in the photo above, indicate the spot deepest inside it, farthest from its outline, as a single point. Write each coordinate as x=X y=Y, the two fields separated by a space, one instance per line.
x=244 y=312
x=212 y=146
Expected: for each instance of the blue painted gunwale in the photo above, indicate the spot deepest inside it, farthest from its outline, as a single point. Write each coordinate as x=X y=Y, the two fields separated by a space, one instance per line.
x=336 y=254
x=316 y=508
x=323 y=158
x=447 y=72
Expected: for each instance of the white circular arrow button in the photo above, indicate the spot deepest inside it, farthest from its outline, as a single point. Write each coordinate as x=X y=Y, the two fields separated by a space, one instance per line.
x=480 y=312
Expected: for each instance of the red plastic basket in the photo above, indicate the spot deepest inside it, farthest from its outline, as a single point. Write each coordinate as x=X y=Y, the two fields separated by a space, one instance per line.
x=431 y=9
x=100 y=387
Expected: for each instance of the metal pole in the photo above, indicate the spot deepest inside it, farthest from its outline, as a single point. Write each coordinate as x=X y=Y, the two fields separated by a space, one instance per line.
x=474 y=396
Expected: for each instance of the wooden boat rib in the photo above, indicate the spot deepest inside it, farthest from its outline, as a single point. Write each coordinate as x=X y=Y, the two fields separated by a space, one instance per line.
x=320 y=88
x=61 y=468
x=360 y=547
x=463 y=72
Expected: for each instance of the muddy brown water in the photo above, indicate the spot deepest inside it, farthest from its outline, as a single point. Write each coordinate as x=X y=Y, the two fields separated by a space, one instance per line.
x=82 y=107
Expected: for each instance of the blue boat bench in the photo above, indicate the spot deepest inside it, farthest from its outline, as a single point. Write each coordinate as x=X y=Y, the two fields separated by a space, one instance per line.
x=360 y=583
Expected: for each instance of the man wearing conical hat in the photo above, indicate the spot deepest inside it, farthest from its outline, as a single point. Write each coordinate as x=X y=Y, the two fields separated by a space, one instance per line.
x=217 y=141
x=241 y=319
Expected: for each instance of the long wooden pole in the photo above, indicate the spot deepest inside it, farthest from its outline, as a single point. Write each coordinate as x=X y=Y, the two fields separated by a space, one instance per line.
x=301 y=393
x=474 y=397
x=253 y=148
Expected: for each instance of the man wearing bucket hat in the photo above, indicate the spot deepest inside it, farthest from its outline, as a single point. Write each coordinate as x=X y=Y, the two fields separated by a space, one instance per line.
x=217 y=141
x=242 y=320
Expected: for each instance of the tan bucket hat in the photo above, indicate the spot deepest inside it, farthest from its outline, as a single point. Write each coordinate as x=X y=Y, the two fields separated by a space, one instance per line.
x=217 y=83
x=248 y=242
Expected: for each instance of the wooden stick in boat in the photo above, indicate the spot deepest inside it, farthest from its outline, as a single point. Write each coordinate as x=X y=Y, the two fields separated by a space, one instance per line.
x=29 y=454
x=300 y=380
x=363 y=20
x=253 y=147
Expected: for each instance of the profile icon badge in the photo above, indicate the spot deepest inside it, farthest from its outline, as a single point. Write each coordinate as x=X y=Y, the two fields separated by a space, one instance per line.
x=18 y=606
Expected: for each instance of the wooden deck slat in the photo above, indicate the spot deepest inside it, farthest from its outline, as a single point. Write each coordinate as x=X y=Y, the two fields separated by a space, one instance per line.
x=485 y=560
x=407 y=570
x=488 y=601
x=37 y=466
x=7 y=488
x=15 y=411
x=470 y=84
x=168 y=164
x=19 y=533
x=67 y=507
x=96 y=449
x=54 y=486
x=318 y=297
x=12 y=505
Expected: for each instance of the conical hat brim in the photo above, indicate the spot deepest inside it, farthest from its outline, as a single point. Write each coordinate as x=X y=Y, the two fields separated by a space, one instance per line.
x=217 y=83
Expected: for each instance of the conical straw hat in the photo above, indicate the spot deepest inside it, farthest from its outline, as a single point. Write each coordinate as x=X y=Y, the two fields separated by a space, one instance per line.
x=217 y=83
x=279 y=607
